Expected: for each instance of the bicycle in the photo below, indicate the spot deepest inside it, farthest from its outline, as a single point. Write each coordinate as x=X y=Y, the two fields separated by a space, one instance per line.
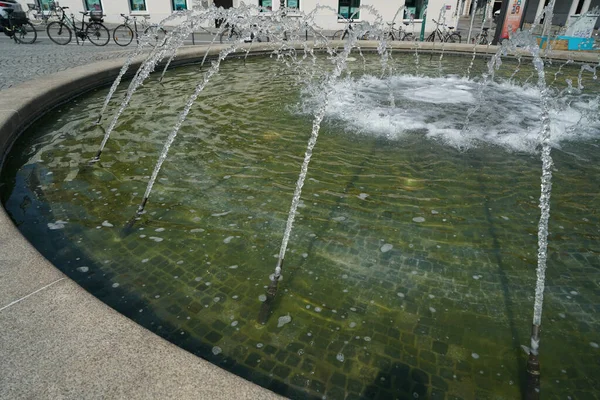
x=60 y=31
x=446 y=36
x=399 y=34
x=123 y=34
x=233 y=34
x=482 y=38
x=18 y=27
x=343 y=33
x=38 y=16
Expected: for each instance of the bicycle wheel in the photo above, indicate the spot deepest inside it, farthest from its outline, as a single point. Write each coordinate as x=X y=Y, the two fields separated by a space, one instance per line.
x=228 y=36
x=97 y=33
x=339 y=35
x=34 y=16
x=59 y=33
x=454 y=38
x=431 y=38
x=481 y=39
x=409 y=37
x=157 y=35
x=123 y=35
x=25 y=33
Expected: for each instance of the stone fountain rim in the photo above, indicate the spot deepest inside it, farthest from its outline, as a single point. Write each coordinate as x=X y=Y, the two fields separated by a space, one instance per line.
x=47 y=318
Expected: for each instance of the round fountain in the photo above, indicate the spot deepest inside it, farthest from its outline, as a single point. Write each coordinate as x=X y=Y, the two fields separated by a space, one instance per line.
x=414 y=231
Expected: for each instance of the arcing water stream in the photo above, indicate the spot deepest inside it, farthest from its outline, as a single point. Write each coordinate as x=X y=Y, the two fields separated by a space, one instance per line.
x=461 y=93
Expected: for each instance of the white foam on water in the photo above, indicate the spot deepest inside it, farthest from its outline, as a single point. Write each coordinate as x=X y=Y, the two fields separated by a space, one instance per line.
x=228 y=239
x=56 y=225
x=507 y=114
x=386 y=247
x=286 y=319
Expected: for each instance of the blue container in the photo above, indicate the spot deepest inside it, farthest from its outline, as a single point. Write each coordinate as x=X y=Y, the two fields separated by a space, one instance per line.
x=576 y=43
x=573 y=43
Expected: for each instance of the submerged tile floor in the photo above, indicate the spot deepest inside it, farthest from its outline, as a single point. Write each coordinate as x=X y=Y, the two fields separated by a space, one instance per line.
x=411 y=268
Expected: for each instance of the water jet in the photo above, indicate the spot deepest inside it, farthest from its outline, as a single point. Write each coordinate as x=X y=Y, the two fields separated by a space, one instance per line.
x=230 y=153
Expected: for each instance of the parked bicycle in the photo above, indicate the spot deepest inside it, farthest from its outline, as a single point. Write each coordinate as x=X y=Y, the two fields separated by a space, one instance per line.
x=123 y=34
x=445 y=35
x=60 y=31
x=37 y=15
x=18 y=27
x=342 y=34
x=482 y=38
x=399 y=34
x=232 y=33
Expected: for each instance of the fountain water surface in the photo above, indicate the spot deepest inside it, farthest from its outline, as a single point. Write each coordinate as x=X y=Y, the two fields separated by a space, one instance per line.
x=413 y=246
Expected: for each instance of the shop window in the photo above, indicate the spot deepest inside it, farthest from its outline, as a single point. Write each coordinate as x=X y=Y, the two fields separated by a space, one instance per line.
x=92 y=5
x=413 y=9
x=179 y=5
x=138 y=5
x=347 y=8
x=266 y=4
x=293 y=4
x=46 y=5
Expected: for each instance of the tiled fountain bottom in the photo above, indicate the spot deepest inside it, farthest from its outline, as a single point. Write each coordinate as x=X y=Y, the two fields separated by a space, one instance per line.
x=410 y=271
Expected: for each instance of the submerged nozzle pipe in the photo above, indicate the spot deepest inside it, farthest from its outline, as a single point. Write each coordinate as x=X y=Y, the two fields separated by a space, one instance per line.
x=142 y=206
x=128 y=228
x=533 y=366
x=265 y=308
x=96 y=158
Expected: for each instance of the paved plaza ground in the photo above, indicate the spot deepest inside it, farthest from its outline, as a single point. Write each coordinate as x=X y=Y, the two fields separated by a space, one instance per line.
x=21 y=63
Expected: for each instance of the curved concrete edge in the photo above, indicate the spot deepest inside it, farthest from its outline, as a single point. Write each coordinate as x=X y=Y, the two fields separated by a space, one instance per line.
x=57 y=340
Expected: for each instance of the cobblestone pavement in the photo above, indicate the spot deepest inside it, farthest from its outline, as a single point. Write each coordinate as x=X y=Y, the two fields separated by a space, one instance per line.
x=20 y=63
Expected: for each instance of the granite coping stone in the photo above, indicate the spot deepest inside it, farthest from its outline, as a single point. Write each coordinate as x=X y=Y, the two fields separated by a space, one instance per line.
x=59 y=341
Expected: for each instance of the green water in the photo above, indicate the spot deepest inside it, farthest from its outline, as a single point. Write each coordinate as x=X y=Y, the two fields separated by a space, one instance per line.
x=411 y=267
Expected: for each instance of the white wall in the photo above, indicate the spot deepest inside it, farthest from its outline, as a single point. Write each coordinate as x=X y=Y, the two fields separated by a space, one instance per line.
x=325 y=18
x=387 y=9
x=157 y=9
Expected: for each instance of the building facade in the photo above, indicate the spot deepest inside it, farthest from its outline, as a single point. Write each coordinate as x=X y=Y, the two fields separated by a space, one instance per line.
x=329 y=16
x=326 y=18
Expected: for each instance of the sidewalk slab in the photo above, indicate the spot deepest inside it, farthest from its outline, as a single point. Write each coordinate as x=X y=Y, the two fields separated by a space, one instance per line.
x=54 y=346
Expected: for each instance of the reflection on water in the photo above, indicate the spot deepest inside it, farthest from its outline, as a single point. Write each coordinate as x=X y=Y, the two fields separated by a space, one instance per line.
x=411 y=267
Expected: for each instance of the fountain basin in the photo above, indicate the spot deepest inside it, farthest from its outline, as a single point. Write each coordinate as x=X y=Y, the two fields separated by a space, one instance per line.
x=20 y=283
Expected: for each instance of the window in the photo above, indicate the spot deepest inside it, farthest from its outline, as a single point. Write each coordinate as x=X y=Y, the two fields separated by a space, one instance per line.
x=266 y=4
x=137 y=5
x=46 y=5
x=179 y=5
x=347 y=8
x=293 y=4
x=413 y=9
x=92 y=5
